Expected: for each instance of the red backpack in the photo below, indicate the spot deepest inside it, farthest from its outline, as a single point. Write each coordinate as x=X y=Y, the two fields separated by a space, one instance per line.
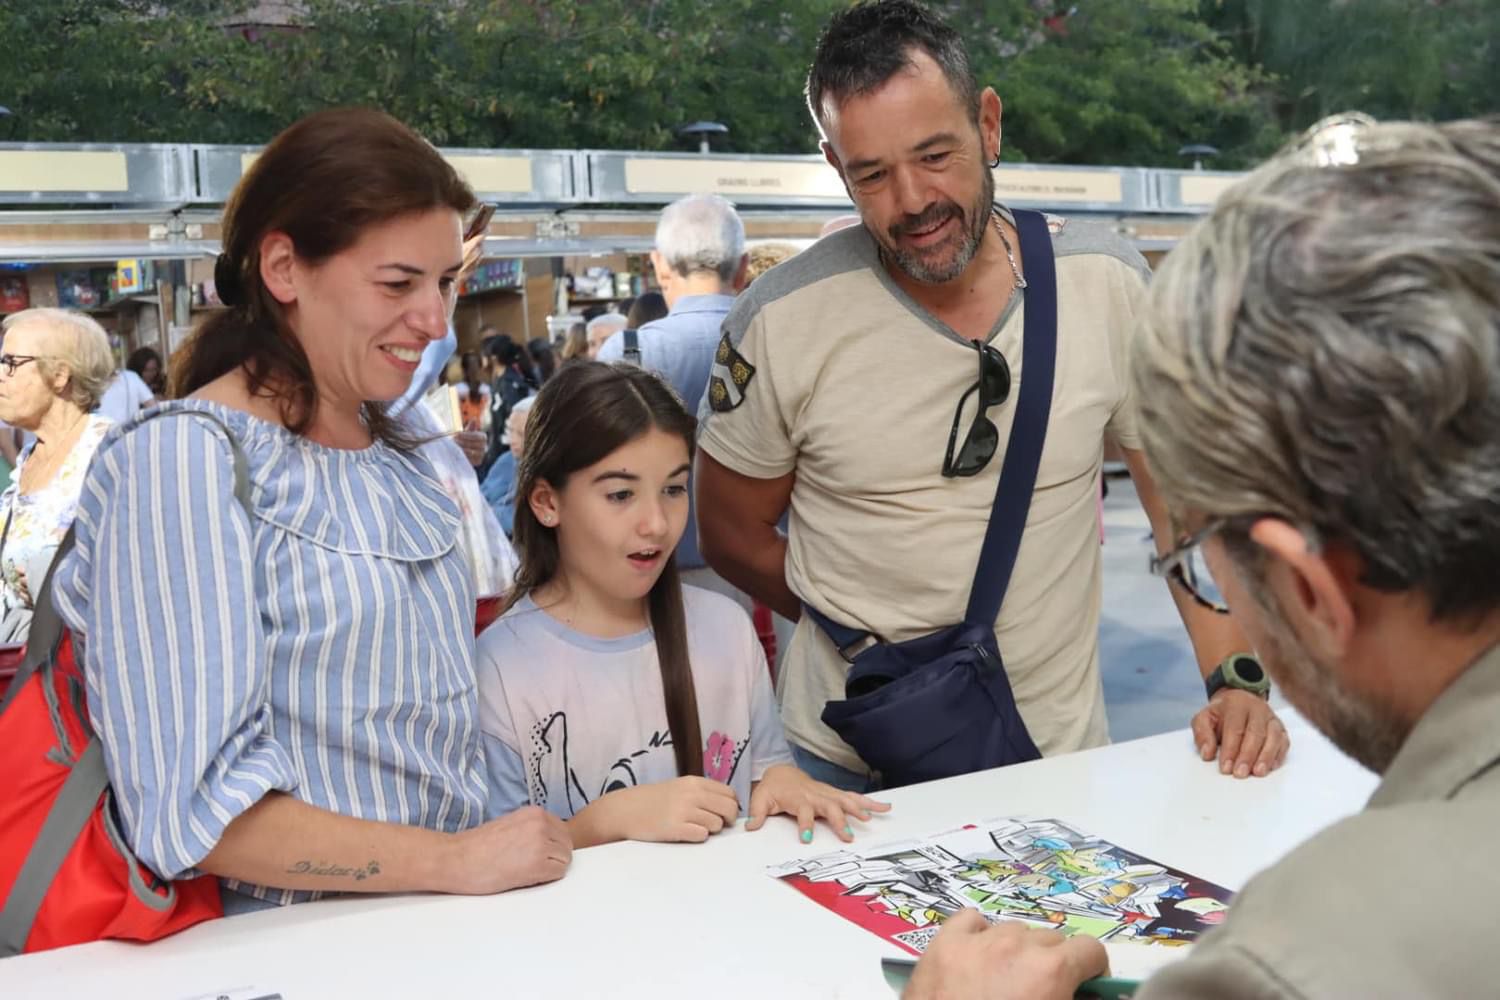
x=66 y=873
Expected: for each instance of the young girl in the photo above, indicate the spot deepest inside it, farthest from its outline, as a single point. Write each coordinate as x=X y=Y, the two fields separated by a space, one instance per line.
x=611 y=695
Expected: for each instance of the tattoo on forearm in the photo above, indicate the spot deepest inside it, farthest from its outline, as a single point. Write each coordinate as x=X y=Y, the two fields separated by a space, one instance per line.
x=331 y=870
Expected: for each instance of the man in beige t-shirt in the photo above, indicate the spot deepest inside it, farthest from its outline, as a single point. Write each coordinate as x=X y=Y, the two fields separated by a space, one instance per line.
x=836 y=386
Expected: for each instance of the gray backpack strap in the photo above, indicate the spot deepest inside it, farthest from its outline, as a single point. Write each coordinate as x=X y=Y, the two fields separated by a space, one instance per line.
x=81 y=791
x=633 y=348
x=70 y=813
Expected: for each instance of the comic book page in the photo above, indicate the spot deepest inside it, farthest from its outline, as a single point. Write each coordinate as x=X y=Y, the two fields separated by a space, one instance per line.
x=1041 y=871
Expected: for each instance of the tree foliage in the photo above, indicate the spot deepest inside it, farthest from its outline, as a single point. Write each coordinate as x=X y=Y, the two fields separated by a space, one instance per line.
x=1094 y=81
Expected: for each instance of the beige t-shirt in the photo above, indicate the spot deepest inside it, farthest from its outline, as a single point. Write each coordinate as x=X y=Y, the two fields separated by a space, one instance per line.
x=830 y=370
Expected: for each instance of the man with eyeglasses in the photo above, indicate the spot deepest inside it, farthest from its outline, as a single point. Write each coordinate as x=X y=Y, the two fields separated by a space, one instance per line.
x=1320 y=395
x=867 y=384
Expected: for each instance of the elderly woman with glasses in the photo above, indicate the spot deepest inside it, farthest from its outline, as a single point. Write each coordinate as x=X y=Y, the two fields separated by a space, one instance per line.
x=54 y=365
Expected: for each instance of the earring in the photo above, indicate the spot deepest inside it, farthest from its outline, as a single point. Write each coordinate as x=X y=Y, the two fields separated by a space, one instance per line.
x=996 y=161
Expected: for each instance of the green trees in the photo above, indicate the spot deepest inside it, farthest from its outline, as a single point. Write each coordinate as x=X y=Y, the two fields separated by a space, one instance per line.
x=1432 y=59
x=1092 y=81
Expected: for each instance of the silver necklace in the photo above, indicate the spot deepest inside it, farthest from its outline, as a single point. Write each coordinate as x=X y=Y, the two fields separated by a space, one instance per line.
x=1009 y=254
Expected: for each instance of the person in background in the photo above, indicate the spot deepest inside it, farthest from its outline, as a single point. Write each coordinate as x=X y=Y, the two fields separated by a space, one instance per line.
x=647 y=308
x=1319 y=376
x=763 y=256
x=54 y=365
x=146 y=363
x=499 y=486
x=576 y=343
x=343 y=244
x=601 y=650
x=513 y=384
x=473 y=395
x=603 y=327
x=543 y=357
x=126 y=395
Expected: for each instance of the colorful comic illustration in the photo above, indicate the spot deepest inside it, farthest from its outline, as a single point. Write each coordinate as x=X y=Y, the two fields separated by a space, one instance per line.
x=1041 y=871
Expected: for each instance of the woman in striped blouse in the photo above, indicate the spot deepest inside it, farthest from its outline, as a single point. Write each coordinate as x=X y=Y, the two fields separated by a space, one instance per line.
x=286 y=695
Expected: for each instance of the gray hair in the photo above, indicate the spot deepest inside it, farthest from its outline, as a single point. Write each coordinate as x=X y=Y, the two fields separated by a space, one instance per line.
x=75 y=341
x=701 y=232
x=613 y=320
x=1325 y=348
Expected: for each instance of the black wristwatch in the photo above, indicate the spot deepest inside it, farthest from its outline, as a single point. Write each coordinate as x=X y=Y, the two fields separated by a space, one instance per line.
x=1242 y=672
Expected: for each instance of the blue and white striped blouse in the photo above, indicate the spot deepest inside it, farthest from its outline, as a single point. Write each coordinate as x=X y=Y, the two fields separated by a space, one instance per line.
x=324 y=647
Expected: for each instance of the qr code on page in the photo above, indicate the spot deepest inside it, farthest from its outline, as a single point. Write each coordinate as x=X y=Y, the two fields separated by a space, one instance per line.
x=918 y=940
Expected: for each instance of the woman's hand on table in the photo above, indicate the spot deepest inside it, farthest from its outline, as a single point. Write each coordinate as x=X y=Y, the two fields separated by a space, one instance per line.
x=785 y=789
x=526 y=847
x=973 y=959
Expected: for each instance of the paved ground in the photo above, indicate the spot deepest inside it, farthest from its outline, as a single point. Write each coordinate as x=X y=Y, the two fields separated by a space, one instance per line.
x=1151 y=683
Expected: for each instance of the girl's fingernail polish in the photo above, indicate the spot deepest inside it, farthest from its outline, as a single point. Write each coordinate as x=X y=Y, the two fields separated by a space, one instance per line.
x=807 y=836
x=848 y=831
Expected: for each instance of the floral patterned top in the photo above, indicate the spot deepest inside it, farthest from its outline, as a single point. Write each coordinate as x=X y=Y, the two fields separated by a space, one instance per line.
x=35 y=526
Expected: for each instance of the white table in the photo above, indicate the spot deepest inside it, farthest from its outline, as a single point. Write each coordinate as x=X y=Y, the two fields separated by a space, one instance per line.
x=649 y=920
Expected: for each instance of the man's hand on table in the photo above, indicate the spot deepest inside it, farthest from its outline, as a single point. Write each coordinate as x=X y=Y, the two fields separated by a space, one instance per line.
x=785 y=788
x=1243 y=731
x=970 y=959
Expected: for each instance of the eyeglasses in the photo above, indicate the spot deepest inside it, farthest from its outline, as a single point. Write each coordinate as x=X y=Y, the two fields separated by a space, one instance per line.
x=1186 y=567
x=10 y=362
x=983 y=438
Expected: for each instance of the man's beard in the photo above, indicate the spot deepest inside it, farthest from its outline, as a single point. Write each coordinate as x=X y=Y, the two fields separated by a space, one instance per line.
x=969 y=236
x=1369 y=732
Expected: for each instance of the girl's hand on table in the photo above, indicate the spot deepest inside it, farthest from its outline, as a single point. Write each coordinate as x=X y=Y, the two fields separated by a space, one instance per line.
x=687 y=809
x=785 y=789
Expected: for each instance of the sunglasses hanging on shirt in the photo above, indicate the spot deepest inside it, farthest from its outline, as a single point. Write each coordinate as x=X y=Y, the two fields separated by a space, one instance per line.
x=983 y=439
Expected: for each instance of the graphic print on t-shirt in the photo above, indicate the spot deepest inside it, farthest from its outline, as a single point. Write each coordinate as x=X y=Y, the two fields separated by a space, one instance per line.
x=549 y=767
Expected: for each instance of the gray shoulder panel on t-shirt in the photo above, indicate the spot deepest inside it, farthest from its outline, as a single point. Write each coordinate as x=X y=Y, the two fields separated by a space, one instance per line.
x=838 y=253
x=852 y=249
x=1079 y=237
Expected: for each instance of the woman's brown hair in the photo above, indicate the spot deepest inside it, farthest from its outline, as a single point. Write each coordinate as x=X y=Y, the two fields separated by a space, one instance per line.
x=322 y=182
x=584 y=412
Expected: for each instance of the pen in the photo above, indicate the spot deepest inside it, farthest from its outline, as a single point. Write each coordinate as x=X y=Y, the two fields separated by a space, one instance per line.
x=898 y=971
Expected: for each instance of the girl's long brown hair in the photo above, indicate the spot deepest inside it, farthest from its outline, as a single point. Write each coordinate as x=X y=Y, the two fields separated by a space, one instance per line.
x=323 y=182
x=584 y=412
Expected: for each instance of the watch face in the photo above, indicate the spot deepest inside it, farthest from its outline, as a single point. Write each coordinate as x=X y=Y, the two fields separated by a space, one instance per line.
x=1247 y=669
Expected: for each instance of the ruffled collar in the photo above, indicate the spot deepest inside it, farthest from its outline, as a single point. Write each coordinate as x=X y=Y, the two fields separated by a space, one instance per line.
x=377 y=501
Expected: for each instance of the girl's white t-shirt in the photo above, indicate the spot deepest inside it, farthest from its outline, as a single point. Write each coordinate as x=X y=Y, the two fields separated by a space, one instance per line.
x=568 y=717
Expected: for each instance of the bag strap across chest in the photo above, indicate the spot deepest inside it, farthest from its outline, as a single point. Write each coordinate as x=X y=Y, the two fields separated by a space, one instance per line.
x=1023 y=450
